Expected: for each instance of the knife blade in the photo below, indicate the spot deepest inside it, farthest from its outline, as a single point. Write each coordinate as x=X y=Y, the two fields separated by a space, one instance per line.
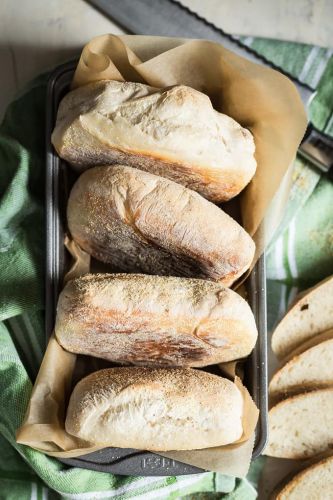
x=170 y=18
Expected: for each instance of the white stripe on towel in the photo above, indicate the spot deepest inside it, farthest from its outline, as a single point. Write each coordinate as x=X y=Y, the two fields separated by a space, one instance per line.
x=308 y=63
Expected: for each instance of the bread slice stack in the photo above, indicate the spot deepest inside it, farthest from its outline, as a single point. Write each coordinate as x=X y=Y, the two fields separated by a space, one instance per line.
x=301 y=391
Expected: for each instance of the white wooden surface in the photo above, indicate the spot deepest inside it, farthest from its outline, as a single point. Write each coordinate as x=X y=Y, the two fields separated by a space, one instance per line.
x=306 y=21
x=36 y=35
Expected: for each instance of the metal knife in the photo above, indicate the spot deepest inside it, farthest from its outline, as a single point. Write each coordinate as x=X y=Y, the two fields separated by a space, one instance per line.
x=170 y=18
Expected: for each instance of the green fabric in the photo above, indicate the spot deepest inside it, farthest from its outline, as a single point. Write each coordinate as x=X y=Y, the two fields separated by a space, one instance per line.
x=301 y=254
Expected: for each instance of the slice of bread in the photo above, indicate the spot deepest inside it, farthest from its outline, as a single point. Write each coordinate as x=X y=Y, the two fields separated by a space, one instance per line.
x=312 y=369
x=313 y=483
x=318 y=339
x=311 y=314
x=301 y=426
x=156 y=409
x=140 y=222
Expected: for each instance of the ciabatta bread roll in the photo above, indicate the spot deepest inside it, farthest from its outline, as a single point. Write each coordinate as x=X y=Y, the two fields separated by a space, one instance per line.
x=173 y=132
x=155 y=409
x=140 y=222
x=154 y=320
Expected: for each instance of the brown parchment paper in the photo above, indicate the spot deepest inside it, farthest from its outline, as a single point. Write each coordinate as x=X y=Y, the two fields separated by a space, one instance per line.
x=260 y=99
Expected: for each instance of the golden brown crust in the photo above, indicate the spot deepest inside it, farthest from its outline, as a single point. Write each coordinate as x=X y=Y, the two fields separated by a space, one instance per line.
x=156 y=409
x=154 y=320
x=143 y=223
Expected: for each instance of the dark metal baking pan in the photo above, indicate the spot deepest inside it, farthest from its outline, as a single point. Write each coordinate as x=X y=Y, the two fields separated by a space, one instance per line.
x=58 y=181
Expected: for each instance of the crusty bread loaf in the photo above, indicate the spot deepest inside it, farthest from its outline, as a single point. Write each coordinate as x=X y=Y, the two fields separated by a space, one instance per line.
x=311 y=342
x=155 y=409
x=154 y=320
x=311 y=314
x=313 y=483
x=173 y=132
x=311 y=369
x=301 y=426
x=141 y=222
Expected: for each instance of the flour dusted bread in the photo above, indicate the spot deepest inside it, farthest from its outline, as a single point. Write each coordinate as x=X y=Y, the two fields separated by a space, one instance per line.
x=154 y=320
x=155 y=409
x=140 y=222
x=172 y=132
x=313 y=483
x=311 y=314
x=301 y=426
x=311 y=369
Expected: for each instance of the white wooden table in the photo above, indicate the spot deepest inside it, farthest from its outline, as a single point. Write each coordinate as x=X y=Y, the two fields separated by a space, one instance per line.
x=36 y=35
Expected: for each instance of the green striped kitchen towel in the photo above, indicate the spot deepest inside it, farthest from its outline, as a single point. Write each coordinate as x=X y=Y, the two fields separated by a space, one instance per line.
x=301 y=254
